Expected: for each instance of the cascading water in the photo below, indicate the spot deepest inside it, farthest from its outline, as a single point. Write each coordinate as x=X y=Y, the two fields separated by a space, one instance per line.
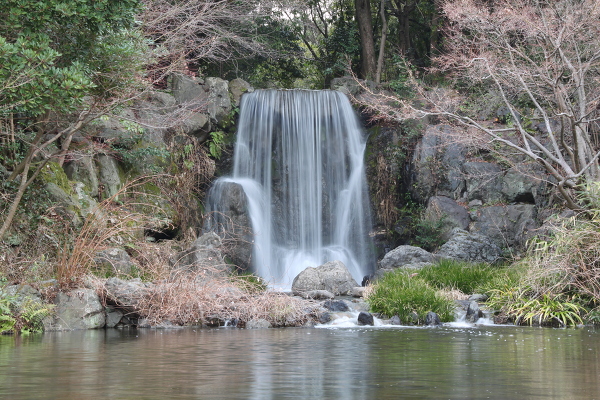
x=299 y=159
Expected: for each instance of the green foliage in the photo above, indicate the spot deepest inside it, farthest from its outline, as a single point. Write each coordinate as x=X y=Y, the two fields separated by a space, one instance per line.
x=427 y=233
x=402 y=83
x=215 y=145
x=466 y=277
x=21 y=316
x=53 y=53
x=544 y=310
x=400 y=293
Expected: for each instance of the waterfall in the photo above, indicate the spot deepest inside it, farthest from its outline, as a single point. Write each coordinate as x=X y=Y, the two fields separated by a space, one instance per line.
x=299 y=157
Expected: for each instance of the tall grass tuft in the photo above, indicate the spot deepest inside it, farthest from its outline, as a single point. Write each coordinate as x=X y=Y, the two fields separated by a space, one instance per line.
x=403 y=294
x=460 y=275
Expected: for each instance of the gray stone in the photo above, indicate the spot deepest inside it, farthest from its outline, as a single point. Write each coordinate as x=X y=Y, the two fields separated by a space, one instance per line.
x=204 y=254
x=350 y=86
x=470 y=247
x=233 y=223
x=126 y=293
x=336 y=306
x=108 y=176
x=358 y=291
x=332 y=276
x=478 y=297
x=114 y=259
x=219 y=104
x=76 y=309
x=406 y=257
x=84 y=170
x=395 y=320
x=473 y=312
x=318 y=295
x=449 y=212
x=508 y=226
x=365 y=318
x=66 y=205
x=432 y=319
x=258 y=324
x=196 y=124
x=437 y=164
x=113 y=317
x=237 y=88
x=186 y=89
x=484 y=181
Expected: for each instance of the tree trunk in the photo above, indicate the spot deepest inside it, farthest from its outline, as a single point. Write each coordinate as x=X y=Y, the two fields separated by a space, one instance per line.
x=384 y=28
x=367 y=44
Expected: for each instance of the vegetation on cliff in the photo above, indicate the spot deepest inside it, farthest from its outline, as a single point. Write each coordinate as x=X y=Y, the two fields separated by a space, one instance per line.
x=66 y=65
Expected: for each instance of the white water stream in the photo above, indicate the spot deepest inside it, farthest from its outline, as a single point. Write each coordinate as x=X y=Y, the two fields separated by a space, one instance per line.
x=299 y=158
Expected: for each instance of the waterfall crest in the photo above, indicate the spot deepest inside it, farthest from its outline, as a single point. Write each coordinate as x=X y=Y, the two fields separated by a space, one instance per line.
x=299 y=157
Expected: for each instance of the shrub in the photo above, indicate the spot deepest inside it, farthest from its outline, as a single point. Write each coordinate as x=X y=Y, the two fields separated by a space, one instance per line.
x=400 y=293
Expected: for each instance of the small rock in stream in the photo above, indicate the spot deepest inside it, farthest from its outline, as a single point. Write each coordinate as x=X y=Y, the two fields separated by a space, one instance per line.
x=365 y=318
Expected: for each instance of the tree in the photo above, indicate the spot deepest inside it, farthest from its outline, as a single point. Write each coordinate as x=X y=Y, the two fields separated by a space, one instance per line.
x=367 y=43
x=52 y=55
x=543 y=58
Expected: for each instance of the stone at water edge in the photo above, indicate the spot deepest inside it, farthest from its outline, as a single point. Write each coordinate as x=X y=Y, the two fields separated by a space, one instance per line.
x=258 y=324
x=76 y=309
x=332 y=276
x=365 y=318
x=473 y=312
x=336 y=306
x=395 y=320
x=318 y=295
x=432 y=319
x=358 y=291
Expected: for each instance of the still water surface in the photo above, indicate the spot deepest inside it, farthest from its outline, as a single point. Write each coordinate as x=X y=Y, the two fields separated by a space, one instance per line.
x=487 y=362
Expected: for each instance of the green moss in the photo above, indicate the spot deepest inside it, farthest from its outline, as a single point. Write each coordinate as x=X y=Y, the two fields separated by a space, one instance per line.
x=53 y=173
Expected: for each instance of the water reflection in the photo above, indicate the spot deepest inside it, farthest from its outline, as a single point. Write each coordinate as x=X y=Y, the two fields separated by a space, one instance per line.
x=408 y=363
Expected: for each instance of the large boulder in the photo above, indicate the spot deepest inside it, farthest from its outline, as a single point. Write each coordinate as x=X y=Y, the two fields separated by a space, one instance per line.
x=115 y=260
x=449 y=212
x=76 y=309
x=405 y=257
x=108 y=176
x=203 y=255
x=126 y=294
x=472 y=247
x=219 y=104
x=483 y=181
x=436 y=167
x=237 y=88
x=332 y=276
x=232 y=222
x=506 y=225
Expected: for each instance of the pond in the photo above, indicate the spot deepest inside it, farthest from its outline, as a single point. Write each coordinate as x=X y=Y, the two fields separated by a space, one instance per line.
x=486 y=362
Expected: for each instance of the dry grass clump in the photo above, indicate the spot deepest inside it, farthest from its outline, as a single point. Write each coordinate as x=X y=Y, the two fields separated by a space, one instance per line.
x=569 y=261
x=116 y=221
x=210 y=298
